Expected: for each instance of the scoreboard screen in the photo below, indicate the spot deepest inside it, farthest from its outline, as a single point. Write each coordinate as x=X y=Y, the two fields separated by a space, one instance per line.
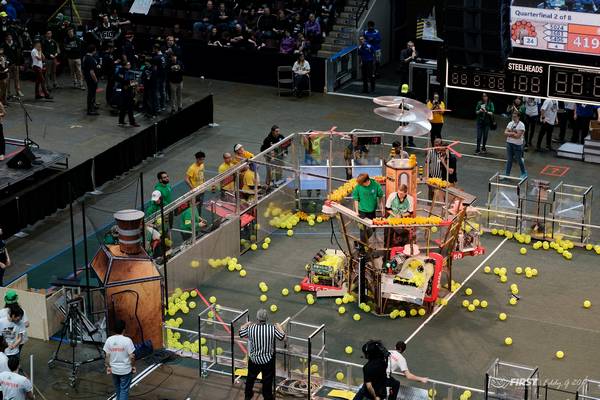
x=530 y=78
x=567 y=26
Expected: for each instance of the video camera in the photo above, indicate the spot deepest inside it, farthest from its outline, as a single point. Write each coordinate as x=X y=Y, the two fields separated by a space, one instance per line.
x=374 y=349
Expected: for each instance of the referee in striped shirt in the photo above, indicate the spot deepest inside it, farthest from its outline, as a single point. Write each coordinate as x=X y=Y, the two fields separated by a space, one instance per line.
x=261 y=347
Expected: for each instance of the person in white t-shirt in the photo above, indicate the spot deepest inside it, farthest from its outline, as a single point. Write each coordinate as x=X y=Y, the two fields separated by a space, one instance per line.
x=11 y=299
x=548 y=118
x=3 y=357
x=13 y=329
x=514 y=132
x=13 y=385
x=120 y=360
x=397 y=363
x=37 y=62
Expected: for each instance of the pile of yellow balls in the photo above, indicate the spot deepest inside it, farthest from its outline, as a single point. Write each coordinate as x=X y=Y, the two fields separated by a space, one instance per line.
x=343 y=191
x=178 y=301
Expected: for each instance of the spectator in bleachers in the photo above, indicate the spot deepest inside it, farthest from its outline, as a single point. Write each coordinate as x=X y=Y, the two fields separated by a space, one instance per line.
x=73 y=49
x=214 y=37
x=51 y=51
x=302 y=45
x=301 y=70
x=266 y=23
x=282 y=23
x=15 y=60
x=367 y=58
x=327 y=15
x=296 y=25
x=288 y=43
x=207 y=18
x=223 y=19
x=175 y=78
x=312 y=30
x=238 y=38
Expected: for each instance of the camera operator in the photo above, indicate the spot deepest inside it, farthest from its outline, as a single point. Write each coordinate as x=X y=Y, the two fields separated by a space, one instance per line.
x=375 y=372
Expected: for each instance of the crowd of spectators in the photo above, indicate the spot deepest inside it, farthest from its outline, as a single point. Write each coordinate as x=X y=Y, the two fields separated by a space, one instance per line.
x=290 y=27
x=150 y=80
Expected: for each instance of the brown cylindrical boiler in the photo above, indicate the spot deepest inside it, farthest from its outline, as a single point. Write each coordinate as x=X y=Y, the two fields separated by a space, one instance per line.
x=130 y=228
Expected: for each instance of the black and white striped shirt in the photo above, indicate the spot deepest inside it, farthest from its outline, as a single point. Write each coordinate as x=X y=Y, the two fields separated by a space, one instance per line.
x=434 y=164
x=261 y=341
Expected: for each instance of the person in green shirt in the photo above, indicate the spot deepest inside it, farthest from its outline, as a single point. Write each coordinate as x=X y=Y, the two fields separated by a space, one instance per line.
x=485 y=117
x=186 y=223
x=367 y=197
x=164 y=187
x=399 y=203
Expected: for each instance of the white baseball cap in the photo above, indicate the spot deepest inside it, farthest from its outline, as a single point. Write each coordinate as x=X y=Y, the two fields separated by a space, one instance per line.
x=237 y=147
x=156 y=195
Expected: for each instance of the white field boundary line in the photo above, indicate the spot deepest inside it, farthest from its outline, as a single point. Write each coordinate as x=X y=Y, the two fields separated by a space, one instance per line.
x=139 y=378
x=437 y=310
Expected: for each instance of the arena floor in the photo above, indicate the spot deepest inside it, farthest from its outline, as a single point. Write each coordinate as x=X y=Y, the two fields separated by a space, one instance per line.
x=454 y=345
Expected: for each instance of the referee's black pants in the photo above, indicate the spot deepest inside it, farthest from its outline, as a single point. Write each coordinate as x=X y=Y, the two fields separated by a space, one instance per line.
x=268 y=374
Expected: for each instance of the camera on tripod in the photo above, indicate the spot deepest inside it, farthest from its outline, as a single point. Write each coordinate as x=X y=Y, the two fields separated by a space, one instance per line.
x=374 y=350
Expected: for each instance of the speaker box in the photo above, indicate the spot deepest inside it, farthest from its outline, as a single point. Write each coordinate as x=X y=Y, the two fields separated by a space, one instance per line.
x=22 y=160
x=477 y=32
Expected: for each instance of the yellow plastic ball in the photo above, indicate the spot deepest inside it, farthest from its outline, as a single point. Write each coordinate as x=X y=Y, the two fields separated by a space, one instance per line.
x=290 y=232
x=348 y=350
x=587 y=304
x=502 y=316
x=179 y=321
x=263 y=298
x=471 y=307
x=339 y=376
x=311 y=222
x=192 y=305
x=212 y=299
x=443 y=302
x=518 y=270
x=341 y=310
x=503 y=279
x=285 y=291
x=513 y=301
x=528 y=274
x=487 y=269
x=402 y=314
x=356 y=317
x=195 y=264
x=523 y=251
x=560 y=354
x=297 y=288
x=265 y=246
x=210 y=314
x=273 y=308
x=267 y=240
x=496 y=271
x=483 y=304
x=422 y=312
x=465 y=303
x=434 y=229
x=468 y=291
x=253 y=246
x=243 y=273
x=534 y=272
x=338 y=301
x=310 y=301
x=508 y=341
x=413 y=312
x=476 y=302
x=193 y=293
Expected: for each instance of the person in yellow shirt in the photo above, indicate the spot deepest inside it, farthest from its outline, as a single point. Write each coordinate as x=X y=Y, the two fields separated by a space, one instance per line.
x=437 y=121
x=249 y=183
x=194 y=177
x=227 y=184
x=240 y=154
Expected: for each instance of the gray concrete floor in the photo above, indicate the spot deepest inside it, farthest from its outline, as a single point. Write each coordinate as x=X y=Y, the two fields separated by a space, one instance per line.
x=455 y=346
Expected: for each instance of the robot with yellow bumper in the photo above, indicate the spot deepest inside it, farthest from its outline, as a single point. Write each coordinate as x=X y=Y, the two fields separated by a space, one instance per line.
x=325 y=273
